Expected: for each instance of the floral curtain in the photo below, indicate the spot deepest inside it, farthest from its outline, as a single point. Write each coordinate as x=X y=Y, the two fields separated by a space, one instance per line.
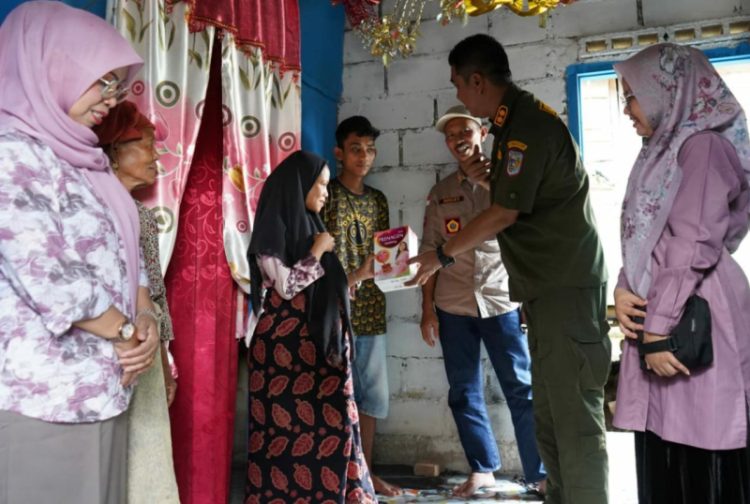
x=262 y=117
x=261 y=101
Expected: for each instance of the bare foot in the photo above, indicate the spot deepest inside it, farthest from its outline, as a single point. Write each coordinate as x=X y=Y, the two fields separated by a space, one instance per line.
x=472 y=485
x=382 y=487
x=539 y=487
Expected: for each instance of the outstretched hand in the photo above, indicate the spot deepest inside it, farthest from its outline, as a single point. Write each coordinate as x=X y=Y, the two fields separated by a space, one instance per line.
x=428 y=264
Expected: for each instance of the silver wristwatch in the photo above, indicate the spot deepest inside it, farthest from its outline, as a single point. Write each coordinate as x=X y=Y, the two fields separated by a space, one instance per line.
x=126 y=332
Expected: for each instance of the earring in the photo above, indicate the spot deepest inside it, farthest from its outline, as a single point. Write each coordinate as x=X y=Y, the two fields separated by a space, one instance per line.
x=115 y=166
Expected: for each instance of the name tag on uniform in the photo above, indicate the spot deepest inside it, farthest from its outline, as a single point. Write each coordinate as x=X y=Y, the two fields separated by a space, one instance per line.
x=450 y=199
x=452 y=225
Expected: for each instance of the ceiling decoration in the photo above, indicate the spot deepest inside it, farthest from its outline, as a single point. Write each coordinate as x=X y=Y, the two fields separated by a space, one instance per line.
x=394 y=33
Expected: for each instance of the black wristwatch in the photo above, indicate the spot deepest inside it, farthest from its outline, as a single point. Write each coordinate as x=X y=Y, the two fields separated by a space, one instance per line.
x=445 y=260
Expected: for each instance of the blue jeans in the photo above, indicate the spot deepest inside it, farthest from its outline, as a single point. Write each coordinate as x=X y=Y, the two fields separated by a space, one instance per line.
x=506 y=345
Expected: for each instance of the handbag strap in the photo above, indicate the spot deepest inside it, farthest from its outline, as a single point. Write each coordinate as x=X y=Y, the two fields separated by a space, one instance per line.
x=666 y=345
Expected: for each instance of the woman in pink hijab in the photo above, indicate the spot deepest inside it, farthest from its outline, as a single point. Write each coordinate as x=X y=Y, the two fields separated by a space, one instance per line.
x=76 y=322
x=684 y=214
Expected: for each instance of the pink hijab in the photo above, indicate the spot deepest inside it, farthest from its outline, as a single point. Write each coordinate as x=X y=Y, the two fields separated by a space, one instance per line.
x=681 y=94
x=50 y=54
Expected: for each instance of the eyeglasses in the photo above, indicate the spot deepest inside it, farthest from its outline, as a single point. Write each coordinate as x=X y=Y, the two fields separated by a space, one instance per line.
x=112 y=89
x=626 y=99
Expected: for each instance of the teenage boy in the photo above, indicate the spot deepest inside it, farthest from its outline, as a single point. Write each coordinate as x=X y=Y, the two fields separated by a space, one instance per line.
x=352 y=214
x=542 y=217
x=468 y=304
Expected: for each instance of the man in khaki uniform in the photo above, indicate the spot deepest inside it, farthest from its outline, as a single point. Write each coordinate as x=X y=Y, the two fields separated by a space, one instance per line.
x=543 y=220
x=468 y=304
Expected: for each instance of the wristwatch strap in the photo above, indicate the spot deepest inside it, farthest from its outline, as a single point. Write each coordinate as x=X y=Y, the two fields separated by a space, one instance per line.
x=445 y=260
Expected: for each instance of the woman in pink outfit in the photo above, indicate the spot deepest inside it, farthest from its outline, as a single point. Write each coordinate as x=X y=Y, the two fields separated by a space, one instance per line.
x=76 y=321
x=684 y=214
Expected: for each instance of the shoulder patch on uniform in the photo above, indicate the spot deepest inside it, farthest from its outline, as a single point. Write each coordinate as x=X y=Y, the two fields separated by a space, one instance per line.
x=546 y=108
x=501 y=115
x=515 y=144
x=515 y=162
x=450 y=199
x=452 y=225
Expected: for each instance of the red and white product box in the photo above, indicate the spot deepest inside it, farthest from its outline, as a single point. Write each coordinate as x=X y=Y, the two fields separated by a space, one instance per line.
x=393 y=249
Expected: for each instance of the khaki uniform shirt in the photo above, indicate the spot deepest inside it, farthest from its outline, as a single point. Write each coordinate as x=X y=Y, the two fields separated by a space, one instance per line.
x=477 y=284
x=538 y=171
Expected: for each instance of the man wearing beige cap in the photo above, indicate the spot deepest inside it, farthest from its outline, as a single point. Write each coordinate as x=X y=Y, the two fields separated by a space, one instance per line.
x=468 y=304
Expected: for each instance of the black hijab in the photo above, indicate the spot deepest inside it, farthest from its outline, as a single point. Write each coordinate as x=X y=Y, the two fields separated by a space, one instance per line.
x=284 y=228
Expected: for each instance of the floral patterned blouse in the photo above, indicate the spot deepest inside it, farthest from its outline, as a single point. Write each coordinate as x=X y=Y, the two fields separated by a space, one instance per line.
x=61 y=261
x=150 y=249
x=288 y=282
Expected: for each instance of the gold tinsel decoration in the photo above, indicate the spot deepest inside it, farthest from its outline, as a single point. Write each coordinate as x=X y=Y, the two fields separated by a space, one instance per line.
x=395 y=34
x=520 y=7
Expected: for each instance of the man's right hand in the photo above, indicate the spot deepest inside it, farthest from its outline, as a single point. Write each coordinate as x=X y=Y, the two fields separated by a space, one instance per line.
x=322 y=243
x=477 y=168
x=430 y=327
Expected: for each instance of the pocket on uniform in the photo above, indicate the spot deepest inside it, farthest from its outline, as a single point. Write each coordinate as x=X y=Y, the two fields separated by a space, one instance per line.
x=594 y=350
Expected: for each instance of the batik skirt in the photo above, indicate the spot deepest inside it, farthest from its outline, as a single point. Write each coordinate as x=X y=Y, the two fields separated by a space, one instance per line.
x=304 y=440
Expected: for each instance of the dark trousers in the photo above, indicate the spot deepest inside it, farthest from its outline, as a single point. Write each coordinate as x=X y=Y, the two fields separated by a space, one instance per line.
x=570 y=355
x=673 y=473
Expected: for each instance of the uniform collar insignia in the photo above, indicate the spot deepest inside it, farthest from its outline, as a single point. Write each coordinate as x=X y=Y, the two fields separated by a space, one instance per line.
x=505 y=108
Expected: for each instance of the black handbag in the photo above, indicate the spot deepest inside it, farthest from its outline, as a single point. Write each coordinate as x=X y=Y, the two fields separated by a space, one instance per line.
x=690 y=341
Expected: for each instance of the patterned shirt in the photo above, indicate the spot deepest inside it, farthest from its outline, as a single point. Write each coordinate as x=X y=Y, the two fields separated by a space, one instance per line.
x=352 y=219
x=61 y=261
x=150 y=249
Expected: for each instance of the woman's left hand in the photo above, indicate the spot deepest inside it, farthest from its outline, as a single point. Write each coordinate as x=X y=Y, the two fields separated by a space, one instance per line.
x=137 y=360
x=664 y=364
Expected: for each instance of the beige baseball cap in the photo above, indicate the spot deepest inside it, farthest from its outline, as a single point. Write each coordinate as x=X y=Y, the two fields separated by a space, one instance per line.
x=452 y=113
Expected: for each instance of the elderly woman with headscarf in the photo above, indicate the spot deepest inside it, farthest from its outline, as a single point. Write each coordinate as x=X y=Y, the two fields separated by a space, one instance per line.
x=128 y=139
x=685 y=213
x=75 y=315
x=304 y=427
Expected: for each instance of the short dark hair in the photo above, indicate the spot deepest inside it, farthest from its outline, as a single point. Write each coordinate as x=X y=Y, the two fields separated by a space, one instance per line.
x=358 y=125
x=481 y=54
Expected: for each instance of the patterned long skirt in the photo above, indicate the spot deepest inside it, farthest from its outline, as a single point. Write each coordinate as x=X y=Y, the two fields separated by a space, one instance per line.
x=304 y=444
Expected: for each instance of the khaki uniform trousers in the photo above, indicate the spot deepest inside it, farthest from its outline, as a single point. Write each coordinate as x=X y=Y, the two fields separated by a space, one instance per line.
x=570 y=356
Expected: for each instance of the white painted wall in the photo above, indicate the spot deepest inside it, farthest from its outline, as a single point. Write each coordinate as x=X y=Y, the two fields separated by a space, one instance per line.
x=404 y=101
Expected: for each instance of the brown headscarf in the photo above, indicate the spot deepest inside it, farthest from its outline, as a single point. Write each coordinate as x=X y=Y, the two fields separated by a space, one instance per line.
x=123 y=124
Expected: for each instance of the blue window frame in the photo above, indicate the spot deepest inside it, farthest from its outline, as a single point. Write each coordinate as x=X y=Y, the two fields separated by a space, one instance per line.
x=574 y=74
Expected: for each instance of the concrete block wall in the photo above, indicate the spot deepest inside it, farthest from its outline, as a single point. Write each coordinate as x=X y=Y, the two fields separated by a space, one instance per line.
x=404 y=101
